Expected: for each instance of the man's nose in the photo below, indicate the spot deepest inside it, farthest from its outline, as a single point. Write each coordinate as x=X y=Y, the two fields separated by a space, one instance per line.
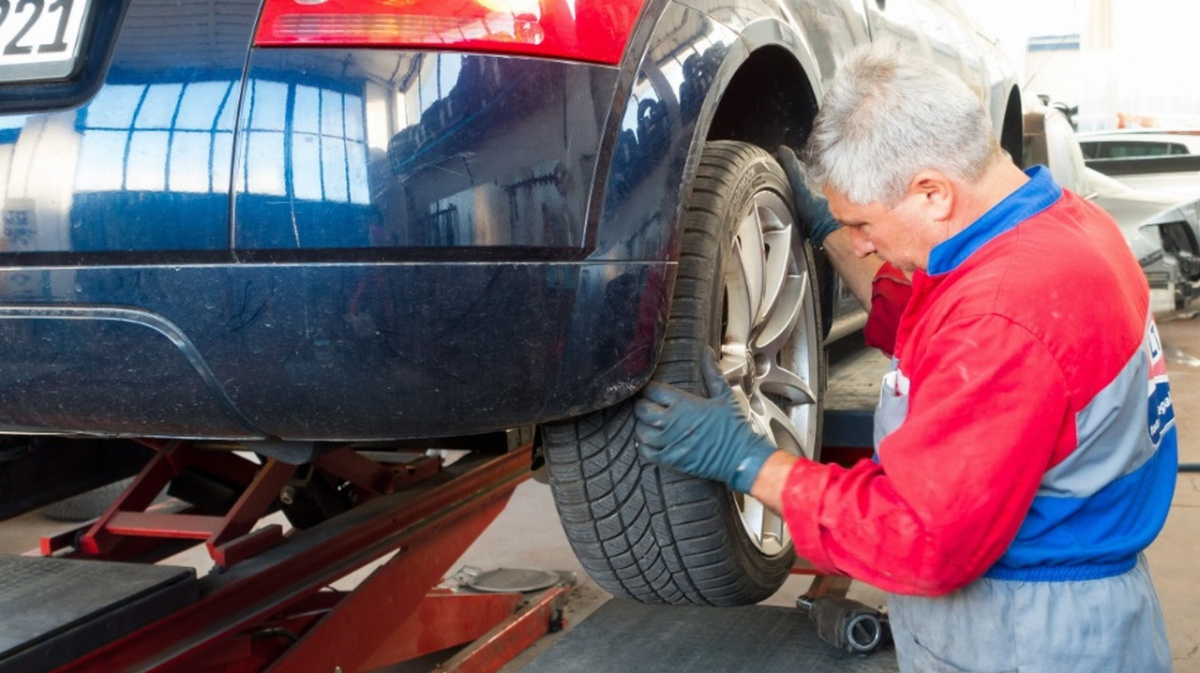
x=861 y=244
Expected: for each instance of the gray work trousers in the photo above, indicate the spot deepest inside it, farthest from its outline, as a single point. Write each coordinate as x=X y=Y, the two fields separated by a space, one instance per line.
x=993 y=626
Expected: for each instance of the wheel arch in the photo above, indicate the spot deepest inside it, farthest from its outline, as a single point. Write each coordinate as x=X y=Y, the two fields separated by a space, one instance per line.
x=769 y=84
x=1012 y=135
x=657 y=127
x=774 y=80
x=764 y=93
x=657 y=145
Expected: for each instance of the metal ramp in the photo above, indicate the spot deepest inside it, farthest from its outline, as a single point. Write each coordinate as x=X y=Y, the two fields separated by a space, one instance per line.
x=54 y=610
x=627 y=636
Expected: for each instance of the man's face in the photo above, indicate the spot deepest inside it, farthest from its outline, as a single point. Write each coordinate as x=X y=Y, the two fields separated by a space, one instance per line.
x=903 y=234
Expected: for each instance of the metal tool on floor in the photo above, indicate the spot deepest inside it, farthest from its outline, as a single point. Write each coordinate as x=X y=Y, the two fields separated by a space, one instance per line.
x=846 y=623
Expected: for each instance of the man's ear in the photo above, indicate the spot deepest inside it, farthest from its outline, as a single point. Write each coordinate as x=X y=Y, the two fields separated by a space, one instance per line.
x=935 y=192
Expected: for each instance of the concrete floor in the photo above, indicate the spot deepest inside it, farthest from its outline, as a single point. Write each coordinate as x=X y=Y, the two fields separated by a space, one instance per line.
x=527 y=534
x=1175 y=555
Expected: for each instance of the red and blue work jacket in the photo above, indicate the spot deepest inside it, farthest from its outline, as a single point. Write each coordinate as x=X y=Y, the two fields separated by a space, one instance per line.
x=1025 y=431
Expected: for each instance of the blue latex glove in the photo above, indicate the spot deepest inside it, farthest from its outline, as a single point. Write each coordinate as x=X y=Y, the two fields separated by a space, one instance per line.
x=811 y=209
x=708 y=438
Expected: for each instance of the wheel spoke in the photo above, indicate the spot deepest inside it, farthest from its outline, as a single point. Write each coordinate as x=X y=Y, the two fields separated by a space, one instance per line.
x=773 y=530
x=756 y=420
x=777 y=244
x=739 y=316
x=734 y=362
x=750 y=252
x=755 y=515
x=788 y=385
x=786 y=434
x=783 y=319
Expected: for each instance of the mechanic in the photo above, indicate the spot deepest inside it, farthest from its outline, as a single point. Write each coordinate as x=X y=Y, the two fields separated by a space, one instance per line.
x=1025 y=441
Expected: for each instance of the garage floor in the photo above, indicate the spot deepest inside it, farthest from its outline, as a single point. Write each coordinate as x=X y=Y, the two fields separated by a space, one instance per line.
x=1175 y=555
x=527 y=534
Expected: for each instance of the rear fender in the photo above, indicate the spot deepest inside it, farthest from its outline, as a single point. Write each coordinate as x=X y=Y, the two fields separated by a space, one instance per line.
x=658 y=128
x=663 y=115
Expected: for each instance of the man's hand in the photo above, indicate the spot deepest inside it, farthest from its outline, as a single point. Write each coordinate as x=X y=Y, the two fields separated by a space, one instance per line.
x=812 y=209
x=709 y=438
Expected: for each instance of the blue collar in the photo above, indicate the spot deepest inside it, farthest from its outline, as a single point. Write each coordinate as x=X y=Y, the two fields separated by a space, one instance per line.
x=1031 y=198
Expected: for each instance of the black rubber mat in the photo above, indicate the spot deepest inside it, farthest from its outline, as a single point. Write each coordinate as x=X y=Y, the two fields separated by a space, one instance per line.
x=623 y=636
x=54 y=610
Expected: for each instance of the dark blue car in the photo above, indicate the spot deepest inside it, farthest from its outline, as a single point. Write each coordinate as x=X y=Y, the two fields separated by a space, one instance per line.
x=265 y=224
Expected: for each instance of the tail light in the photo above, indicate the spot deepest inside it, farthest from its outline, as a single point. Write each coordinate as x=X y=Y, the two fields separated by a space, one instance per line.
x=583 y=30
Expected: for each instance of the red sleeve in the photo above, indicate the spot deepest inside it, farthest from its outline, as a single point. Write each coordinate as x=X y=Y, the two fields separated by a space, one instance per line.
x=890 y=292
x=987 y=409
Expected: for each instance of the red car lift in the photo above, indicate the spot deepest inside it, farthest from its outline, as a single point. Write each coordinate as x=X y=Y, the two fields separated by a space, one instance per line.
x=268 y=606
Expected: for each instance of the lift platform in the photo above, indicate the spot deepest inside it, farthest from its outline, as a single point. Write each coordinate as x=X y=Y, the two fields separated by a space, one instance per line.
x=852 y=393
x=85 y=605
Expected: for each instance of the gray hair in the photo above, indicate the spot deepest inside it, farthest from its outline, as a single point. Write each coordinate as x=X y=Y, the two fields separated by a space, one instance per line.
x=889 y=114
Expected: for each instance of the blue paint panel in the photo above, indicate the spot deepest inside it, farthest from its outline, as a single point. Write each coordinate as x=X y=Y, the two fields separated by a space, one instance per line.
x=146 y=221
x=651 y=138
x=398 y=149
x=142 y=163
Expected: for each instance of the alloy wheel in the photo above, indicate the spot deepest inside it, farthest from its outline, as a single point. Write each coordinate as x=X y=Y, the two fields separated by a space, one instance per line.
x=769 y=346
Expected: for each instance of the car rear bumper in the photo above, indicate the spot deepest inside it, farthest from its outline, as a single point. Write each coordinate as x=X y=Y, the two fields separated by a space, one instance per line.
x=324 y=352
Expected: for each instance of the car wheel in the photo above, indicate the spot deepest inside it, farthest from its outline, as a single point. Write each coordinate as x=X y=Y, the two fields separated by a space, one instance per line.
x=745 y=287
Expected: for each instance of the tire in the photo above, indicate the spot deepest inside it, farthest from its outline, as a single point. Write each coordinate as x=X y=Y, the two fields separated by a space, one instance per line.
x=659 y=536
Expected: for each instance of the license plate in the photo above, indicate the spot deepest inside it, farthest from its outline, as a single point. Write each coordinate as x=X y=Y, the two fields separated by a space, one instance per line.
x=39 y=39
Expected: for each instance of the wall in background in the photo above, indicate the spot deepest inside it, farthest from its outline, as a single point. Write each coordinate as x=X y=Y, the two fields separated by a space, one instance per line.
x=1134 y=61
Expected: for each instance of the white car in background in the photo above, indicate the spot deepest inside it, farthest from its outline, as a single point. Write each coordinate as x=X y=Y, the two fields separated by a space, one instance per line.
x=1156 y=160
x=1162 y=230
x=1133 y=143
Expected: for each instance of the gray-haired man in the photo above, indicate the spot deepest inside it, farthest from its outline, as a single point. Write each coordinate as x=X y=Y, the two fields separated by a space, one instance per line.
x=1025 y=440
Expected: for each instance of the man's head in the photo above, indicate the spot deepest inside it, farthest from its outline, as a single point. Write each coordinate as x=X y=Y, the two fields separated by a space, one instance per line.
x=903 y=149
